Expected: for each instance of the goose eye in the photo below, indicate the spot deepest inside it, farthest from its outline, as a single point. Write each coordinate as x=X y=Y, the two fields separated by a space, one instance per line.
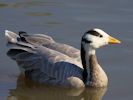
x=100 y=36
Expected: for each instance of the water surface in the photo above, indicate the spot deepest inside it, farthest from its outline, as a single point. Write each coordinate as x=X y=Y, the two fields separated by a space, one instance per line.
x=66 y=21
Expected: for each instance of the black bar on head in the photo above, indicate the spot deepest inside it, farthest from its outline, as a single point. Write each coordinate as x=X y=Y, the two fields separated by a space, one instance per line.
x=85 y=40
x=93 y=32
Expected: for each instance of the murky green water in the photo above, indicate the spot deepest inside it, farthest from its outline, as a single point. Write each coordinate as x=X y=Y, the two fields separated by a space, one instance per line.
x=66 y=21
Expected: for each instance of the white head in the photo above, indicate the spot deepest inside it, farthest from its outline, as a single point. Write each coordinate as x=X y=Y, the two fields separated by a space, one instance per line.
x=96 y=38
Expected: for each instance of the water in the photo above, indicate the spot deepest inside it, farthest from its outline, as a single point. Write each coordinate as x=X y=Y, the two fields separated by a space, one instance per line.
x=66 y=21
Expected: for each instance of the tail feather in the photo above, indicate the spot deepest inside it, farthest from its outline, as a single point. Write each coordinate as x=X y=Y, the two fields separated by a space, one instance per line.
x=11 y=36
x=15 y=42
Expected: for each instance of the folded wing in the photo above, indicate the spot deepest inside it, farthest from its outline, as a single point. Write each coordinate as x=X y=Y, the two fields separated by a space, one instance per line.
x=40 y=58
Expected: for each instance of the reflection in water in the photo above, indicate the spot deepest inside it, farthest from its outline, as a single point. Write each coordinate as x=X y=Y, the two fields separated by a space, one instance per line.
x=27 y=90
x=18 y=4
x=23 y=4
x=3 y=5
x=39 y=14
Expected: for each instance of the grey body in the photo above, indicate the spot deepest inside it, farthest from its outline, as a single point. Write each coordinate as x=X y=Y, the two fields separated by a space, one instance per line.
x=45 y=61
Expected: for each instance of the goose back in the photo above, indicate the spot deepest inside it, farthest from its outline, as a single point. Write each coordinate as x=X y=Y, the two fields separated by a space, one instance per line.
x=44 y=63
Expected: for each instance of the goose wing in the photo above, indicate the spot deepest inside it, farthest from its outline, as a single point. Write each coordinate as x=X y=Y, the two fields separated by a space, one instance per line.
x=47 y=41
x=41 y=63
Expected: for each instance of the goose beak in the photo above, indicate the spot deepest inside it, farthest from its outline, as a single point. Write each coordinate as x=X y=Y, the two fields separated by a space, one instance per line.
x=113 y=40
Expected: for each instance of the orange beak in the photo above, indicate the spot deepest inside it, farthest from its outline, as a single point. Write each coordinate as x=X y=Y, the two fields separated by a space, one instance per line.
x=113 y=40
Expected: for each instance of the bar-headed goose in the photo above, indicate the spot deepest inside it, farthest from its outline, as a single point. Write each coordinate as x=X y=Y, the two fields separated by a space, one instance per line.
x=43 y=60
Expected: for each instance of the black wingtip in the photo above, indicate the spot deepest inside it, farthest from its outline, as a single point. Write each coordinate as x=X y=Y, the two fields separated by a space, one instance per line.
x=22 y=35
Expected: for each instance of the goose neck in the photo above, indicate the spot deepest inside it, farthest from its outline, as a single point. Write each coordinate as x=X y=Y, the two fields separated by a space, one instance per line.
x=93 y=74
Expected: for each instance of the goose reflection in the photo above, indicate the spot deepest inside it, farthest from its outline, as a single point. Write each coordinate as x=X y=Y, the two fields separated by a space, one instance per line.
x=27 y=90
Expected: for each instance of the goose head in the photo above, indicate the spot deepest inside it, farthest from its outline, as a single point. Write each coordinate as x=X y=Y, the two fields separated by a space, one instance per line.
x=92 y=40
x=96 y=38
